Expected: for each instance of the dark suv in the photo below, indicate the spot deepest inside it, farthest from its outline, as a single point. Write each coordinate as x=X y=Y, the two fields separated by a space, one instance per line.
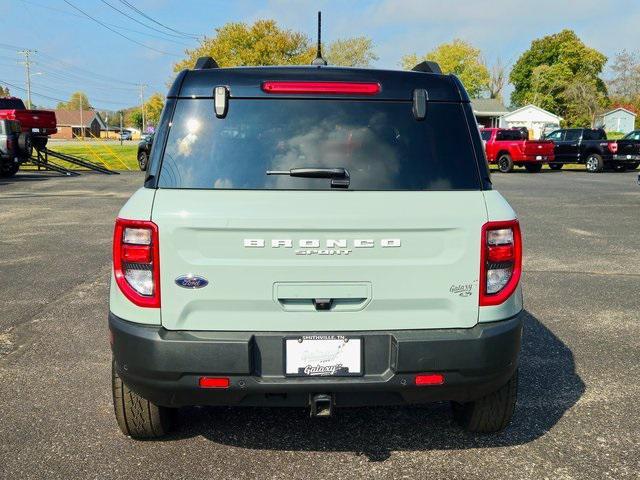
x=15 y=147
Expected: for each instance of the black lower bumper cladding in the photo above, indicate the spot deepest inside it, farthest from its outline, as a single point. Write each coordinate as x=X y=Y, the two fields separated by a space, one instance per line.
x=165 y=366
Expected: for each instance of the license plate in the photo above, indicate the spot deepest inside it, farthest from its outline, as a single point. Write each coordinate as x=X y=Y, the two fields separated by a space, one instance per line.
x=323 y=356
x=36 y=130
x=538 y=157
x=628 y=157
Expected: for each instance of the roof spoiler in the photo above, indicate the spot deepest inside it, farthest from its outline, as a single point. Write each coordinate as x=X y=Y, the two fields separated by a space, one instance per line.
x=427 y=67
x=205 y=63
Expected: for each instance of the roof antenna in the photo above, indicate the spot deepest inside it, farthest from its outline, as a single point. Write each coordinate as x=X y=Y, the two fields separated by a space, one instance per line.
x=319 y=60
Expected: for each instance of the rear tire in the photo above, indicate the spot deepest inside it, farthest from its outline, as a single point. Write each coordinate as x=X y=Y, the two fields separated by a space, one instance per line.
x=25 y=144
x=555 y=166
x=633 y=166
x=8 y=169
x=594 y=163
x=533 y=167
x=490 y=413
x=143 y=160
x=39 y=143
x=505 y=163
x=136 y=416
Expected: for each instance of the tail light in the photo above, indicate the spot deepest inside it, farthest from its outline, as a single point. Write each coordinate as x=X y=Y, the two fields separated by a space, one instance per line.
x=136 y=261
x=500 y=261
x=613 y=147
x=340 y=88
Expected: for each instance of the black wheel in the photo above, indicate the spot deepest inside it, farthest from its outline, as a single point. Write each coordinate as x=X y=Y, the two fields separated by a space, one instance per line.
x=136 y=416
x=633 y=166
x=143 y=159
x=620 y=167
x=490 y=413
x=8 y=169
x=505 y=164
x=25 y=144
x=533 y=167
x=555 y=166
x=594 y=163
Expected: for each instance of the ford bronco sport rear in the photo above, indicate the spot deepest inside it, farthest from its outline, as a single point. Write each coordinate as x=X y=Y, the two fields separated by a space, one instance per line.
x=315 y=236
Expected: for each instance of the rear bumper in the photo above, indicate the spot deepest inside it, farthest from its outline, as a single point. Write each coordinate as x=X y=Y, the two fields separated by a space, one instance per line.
x=536 y=159
x=164 y=366
x=627 y=158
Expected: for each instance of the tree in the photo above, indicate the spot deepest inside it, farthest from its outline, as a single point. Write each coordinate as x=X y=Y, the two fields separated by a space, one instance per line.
x=75 y=101
x=135 y=119
x=351 y=52
x=153 y=108
x=626 y=80
x=584 y=100
x=497 y=79
x=265 y=43
x=552 y=64
x=4 y=91
x=460 y=58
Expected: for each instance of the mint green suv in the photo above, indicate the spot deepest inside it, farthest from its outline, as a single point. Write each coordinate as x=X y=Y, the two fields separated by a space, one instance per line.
x=317 y=237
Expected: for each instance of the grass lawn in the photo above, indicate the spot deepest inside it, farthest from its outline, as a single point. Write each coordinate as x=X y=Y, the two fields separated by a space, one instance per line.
x=113 y=156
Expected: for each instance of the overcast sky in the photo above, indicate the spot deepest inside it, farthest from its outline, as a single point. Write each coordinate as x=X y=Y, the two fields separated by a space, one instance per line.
x=72 y=47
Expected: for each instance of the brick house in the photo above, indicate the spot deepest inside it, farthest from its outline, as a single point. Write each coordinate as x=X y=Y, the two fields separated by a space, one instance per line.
x=70 y=124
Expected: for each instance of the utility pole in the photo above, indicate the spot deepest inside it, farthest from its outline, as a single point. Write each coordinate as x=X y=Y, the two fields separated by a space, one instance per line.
x=120 y=128
x=144 y=119
x=81 y=120
x=27 y=63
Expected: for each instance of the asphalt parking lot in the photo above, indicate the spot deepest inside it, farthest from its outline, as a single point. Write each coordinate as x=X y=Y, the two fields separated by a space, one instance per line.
x=578 y=413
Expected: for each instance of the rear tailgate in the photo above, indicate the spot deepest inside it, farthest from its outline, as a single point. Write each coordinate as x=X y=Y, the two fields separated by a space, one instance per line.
x=628 y=147
x=542 y=148
x=396 y=260
x=37 y=121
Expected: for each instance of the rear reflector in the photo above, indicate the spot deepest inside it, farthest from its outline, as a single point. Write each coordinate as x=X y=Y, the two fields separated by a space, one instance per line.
x=429 y=379
x=213 y=382
x=340 y=88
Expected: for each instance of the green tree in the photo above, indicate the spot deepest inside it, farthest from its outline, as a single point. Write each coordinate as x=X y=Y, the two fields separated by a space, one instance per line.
x=75 y=101
x=153 y=108
x=135 y=119
x=544 y=73
x=460 y=58
x=4 y=91
x=351 y=52
x=265 y=43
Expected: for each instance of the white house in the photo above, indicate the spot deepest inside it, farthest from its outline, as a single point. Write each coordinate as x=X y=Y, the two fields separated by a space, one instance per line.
x=536 y=119
x=617 y=120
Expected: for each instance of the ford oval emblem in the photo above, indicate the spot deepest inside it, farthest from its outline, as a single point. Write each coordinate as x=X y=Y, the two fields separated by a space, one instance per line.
x=191 y=281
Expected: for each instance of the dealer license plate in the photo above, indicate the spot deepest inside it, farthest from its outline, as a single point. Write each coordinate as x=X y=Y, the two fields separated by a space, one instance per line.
x=323 y=356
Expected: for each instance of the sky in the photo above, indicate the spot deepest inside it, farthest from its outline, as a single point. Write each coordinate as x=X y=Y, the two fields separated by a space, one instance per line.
x=75 y=52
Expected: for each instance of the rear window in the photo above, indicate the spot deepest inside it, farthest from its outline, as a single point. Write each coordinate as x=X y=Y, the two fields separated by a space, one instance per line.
x=380 y=143
x=509 y=135
x=594 y=135
x=11 y=104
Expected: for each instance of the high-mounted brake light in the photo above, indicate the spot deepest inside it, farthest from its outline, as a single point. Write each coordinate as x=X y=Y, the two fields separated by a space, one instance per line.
x=500 y=261
x=136 y=261
x=339 y=88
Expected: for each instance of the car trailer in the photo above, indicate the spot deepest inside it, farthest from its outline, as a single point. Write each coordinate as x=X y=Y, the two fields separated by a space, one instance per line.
x=41 y=159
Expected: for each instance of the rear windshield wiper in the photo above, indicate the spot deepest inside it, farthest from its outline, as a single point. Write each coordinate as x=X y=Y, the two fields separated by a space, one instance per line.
x=339 y=176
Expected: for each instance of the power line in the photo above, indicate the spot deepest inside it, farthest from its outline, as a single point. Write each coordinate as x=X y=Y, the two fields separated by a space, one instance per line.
x=133 y=7
x=118 y=33
x=119 y=27
x=138 y=21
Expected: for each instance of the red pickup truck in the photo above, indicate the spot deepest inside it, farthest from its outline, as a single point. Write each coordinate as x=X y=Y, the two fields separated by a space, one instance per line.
x=509 y=147
x=39 y=123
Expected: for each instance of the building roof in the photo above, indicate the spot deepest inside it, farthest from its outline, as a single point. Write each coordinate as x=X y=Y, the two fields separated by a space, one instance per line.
x=488 y=107
x=618 y=109
x=71 y=118
x=532 y=106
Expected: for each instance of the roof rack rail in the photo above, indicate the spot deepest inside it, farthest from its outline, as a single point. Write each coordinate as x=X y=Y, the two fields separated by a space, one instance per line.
x=427 y=67
x=205 y=63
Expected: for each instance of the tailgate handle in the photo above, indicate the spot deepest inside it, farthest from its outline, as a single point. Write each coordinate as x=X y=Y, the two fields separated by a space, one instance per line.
x=322 y=297
x=323 y=303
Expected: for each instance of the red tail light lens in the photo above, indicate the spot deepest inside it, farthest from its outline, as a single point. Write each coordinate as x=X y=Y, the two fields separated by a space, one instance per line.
x=500 y=261
x=340 y=88
x=136 y=261
x=427 y=379
x=613 y=147
x=213 y=382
